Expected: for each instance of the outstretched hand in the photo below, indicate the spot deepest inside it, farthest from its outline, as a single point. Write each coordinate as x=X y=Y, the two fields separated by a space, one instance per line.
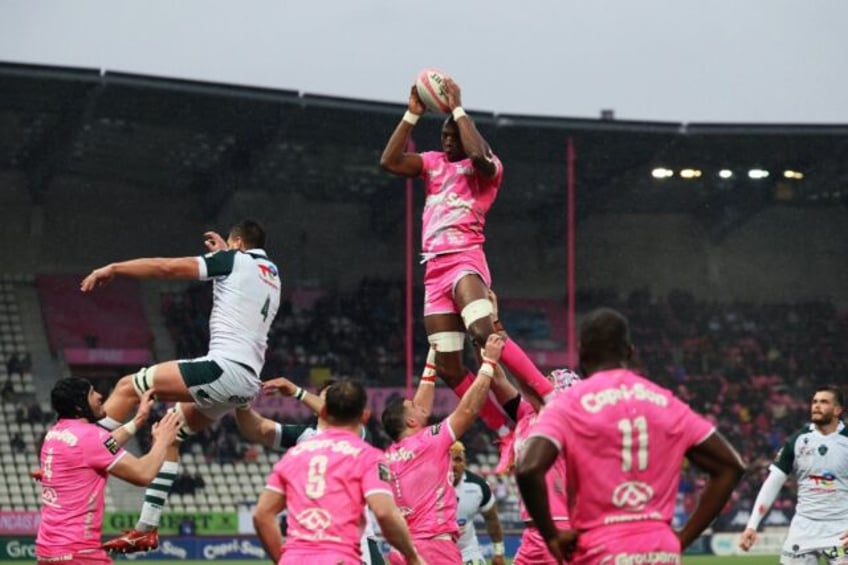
x=279 y=385
x=166 y=429
x=453 y=92
x=493 y=349
x=144 y=406
x=214 y=242
x=416 y=106
x=97 y=277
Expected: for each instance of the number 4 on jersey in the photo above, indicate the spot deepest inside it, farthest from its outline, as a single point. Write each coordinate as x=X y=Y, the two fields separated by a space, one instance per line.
x=265 y=308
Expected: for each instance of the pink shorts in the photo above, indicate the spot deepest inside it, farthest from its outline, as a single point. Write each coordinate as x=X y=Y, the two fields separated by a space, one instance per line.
x=533 y=549
x=654 y=546
x=442 y=274
x=90 y=557
x=432 y=552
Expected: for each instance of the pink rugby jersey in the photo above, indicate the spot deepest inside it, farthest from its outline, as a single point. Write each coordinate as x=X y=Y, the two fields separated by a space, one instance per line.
x=554 y=478
x=75 y=458
x=458 y=199
x=325 y=480
x=422 y=478
x=624 y=439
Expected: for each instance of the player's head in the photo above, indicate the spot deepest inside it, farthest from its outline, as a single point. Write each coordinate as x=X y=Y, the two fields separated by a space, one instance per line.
x=604 y=341
x=344 y=403
x=247 y=234
x=75 y=397
x=827 y=405
x=457 y=453
x=451 y=142
x=401 y=414
x=563 y=379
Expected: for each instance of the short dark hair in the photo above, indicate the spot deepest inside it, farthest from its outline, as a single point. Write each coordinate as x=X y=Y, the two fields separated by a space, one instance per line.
x=325 y=385
x=345 y=402
x=604 y=336
x=251 y=233
x=69 y=398
x=839 y=399
x=394 y=418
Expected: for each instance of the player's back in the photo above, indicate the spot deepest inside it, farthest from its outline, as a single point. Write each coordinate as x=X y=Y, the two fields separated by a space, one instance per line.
x=624 y=439
x=75 y=458
x=246 y=298
x=422 y=478
x=326 y=479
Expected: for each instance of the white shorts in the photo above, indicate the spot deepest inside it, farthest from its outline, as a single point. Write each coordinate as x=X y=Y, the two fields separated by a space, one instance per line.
x=218 y=385
x=808 y=540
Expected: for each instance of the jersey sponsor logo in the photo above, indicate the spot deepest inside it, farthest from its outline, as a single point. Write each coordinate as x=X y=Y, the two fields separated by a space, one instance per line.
x=632 y=495
x=269 y=272
x=65 y=436
x=596 y=401
x=400 y=454
x=316 y=521
x=826 y=479
x=436 y=428
x=239 y=399
x=642 y=558
x=343 y=446
x=49 y=497
x=111 y=444
x=383 y=472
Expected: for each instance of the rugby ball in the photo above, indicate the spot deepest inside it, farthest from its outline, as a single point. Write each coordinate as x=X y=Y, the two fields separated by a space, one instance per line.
x=430 y=85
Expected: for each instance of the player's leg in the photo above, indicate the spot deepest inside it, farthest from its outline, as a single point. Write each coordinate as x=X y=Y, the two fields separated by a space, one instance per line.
x=471 y=296
x=446 y=335
x=165 y=377
x=144 y=536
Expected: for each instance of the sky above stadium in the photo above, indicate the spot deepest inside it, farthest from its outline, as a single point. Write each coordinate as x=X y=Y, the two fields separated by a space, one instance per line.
x=764 y=61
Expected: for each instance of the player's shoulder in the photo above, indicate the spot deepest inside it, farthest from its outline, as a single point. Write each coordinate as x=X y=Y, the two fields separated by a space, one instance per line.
x=804 y=430
x=476 y=480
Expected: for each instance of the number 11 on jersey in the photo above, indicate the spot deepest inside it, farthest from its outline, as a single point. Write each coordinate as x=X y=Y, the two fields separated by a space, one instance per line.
x=627 y=426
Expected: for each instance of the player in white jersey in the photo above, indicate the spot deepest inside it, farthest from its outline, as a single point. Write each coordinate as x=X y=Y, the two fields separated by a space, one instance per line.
x=245 y=300
x=818 y=455
x=473 y=496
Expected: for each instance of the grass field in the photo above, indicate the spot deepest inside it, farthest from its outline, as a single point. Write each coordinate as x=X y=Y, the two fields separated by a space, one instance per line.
x=693 y=560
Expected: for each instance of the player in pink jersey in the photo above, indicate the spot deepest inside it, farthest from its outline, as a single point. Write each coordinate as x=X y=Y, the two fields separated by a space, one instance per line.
x=624 y=439
x=325 y=482
x=461 y=182
x=533 y=549
x=76 y=458
x=420 y=460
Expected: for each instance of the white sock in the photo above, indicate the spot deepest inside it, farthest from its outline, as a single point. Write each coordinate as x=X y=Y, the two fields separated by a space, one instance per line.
x=156 y=495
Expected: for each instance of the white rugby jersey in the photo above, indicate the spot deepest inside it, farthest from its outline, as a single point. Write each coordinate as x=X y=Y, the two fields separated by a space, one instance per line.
x=473 y=496
x=820 y=464
x=246 y=296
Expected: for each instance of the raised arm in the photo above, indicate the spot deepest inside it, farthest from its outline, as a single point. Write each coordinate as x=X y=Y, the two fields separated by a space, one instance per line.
x=475 y=146
x=148 y=268
x=141 y=471
x=466 y=412
x=395 y=158
x=723 y=464
x=425 y=394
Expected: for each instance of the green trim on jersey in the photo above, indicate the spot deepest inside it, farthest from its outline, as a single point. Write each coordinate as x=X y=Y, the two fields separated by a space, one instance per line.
x=220 y=263
x=197 y=373
x=291 y=433
x=481 y=482
x=785 y=460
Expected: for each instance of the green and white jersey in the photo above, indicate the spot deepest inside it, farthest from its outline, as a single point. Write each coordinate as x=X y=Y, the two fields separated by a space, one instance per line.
x=473 y=496
x=245 y=300
x=820 y=464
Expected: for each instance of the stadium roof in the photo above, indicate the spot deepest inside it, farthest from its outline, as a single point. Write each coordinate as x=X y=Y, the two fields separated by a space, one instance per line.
x=183 y=135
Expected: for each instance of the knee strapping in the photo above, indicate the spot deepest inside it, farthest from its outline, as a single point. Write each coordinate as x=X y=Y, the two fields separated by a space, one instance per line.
x=447 y=342
x=477 y=310
x=143 y=380
x=184 y=431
